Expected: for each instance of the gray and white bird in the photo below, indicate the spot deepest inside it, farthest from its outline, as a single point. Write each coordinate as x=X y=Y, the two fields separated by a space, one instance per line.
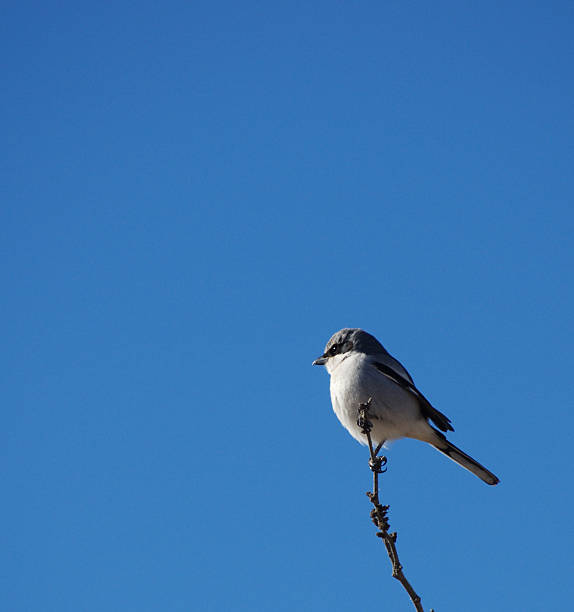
x=361 y=368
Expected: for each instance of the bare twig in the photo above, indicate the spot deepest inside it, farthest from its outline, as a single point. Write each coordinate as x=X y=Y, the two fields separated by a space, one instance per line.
x=379 y=512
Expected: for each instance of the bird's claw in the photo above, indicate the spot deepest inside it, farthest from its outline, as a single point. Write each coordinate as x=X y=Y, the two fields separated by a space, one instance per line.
x=377 y=464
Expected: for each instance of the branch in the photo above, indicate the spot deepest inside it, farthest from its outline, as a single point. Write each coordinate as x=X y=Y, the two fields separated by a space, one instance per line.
x=379 y=512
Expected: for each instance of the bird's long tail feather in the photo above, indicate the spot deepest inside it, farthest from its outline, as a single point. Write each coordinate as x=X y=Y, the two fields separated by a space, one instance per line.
x=453 y=452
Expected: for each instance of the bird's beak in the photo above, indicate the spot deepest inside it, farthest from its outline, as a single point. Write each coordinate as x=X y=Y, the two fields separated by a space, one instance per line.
x=321 y=361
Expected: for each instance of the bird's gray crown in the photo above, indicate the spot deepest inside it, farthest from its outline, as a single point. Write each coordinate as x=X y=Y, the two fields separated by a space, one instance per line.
x=360 y=340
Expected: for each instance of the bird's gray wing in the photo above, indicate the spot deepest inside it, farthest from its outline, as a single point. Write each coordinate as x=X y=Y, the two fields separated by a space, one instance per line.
x=392 y=369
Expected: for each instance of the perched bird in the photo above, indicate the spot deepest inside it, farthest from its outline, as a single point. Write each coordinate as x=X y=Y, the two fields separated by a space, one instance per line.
x=361 y=369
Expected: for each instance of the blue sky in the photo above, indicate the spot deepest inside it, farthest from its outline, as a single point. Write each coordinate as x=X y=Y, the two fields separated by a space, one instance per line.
x=195 y=197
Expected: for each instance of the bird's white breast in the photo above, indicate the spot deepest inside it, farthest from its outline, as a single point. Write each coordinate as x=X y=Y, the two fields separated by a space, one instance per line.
x=354 y=379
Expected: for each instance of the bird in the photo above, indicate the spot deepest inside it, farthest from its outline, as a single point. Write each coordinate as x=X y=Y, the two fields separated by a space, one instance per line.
x=362 y=371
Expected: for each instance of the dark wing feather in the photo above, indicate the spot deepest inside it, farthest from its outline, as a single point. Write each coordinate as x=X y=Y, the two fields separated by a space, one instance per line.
x=428 y=411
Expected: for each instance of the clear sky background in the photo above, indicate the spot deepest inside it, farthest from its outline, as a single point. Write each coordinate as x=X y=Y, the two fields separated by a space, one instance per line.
x=195 y=196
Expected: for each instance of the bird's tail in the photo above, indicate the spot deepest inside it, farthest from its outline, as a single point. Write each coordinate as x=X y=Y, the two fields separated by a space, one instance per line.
x=453 y=452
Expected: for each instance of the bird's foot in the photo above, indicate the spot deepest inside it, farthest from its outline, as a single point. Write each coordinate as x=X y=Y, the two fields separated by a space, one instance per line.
x=377 y=464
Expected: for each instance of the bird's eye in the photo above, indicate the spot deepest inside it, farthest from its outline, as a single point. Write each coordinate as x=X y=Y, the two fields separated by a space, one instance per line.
x=333 y=350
